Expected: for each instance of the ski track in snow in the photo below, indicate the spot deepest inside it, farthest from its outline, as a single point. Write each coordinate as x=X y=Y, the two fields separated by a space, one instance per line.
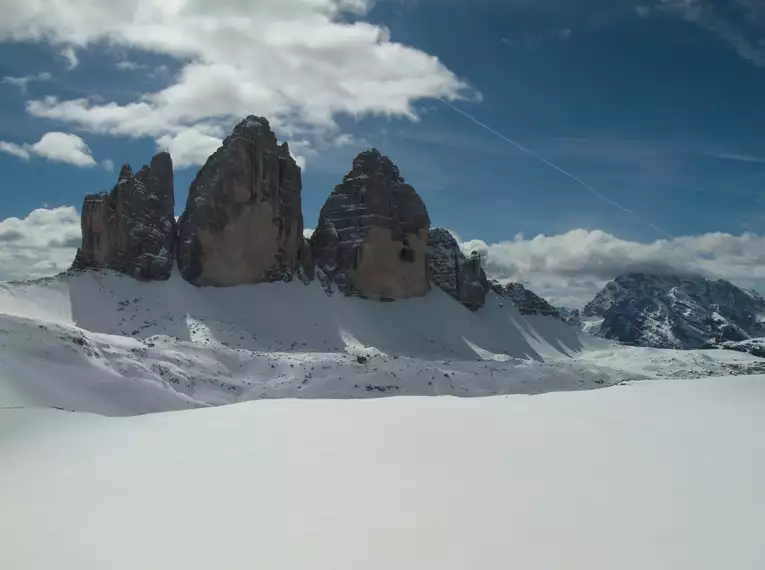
x=105 y=343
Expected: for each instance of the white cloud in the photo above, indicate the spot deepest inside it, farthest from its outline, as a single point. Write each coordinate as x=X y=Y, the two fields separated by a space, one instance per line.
x=43 y=243
x=308 y=232
x=571 y=268
x=297 y=62
x=70 y=56
x=14 y=149
x=108 y=165
x=127 y=65
x=188 y=147
x=22 y=82
x=55 y=146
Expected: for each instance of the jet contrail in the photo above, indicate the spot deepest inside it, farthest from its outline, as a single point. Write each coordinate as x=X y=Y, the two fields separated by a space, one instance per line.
x=552 y=165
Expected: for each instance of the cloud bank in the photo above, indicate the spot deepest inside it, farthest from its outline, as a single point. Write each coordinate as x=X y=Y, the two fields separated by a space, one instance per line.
x=298 y=62
x=569 y=268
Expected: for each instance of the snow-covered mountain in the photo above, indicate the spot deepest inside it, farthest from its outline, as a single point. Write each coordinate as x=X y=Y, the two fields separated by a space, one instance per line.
x=104 y=342
x=667 y=311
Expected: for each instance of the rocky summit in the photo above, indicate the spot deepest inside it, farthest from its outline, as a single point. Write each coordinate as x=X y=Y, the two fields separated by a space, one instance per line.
x=372 y=234
x=668 y=311
x=459 y=276
x=132 y=228
x=243 y=221
x=527 y=302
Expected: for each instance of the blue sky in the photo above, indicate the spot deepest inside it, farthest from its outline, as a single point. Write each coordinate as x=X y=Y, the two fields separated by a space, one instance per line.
x=657 y=105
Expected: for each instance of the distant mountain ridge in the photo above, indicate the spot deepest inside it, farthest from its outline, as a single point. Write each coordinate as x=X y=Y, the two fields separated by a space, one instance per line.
x=669 y=311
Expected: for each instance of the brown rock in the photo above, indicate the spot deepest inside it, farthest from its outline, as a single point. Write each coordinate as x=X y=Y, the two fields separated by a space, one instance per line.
x=371 y=237
x=243 y=221
x=132 y=229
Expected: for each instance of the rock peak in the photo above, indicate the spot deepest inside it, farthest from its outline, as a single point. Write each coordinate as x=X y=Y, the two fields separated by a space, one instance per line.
x=132 y=228
x=459 y=276
x=372 y=233
x=372 y=162
x=243 y=221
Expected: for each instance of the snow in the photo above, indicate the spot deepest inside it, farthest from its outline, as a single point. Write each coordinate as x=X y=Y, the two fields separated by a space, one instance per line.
x=660 y=475
x=144 y=466
x=107 y=344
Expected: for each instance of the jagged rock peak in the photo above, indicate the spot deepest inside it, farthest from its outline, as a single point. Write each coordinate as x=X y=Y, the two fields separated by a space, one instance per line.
x=372 y=232
x=527 y=302
x=371 y=162
x=132 y=228
x=671 y=311
x=459 y=276
x=243 y=221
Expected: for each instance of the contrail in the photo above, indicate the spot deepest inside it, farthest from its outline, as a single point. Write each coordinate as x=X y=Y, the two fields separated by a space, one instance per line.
x=552 y=165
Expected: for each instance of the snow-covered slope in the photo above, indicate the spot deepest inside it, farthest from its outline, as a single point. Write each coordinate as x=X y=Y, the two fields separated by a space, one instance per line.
x=105 y=343
x=666 y=311
x=661 y=475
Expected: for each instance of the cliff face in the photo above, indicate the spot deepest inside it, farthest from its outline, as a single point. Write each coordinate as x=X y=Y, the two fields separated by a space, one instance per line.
x=459 y=276
x=371 y=237
x=243 y=221
x=132 y=228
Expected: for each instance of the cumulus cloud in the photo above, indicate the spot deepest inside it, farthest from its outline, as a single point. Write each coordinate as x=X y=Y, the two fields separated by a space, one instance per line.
x=22 y=82
x=190 y=146
x=55 y=146
x=570 y=268
x=42 y=244
x=298 y=62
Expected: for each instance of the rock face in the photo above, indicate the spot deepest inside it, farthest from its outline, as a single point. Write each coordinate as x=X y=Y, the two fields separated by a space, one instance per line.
x=459 y=276
x=527 y=302
x=243 y=221
x=371 y=237
x=132 y=228
x=667 y=311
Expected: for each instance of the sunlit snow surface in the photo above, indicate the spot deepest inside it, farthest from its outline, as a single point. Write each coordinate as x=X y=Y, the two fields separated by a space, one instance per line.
x=660 y=475
x=108 y=344
x=316 y=467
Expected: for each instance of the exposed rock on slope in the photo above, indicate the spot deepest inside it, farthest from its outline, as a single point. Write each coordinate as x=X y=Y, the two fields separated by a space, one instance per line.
x=243 y=221
x=527 y=302
x=676 y=312
x=372 y=233
x=460 y=277
x=132 y=229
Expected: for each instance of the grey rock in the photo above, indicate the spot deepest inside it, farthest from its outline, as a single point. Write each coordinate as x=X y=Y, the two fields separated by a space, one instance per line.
x=372 y=233
x=132 y=228
x=459 y=276
x=243 y=221
x=306 y=269
x=670 y=311
x=527 y=302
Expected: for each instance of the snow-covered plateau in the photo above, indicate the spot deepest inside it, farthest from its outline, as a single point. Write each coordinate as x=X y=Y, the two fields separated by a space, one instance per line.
x=315 y=466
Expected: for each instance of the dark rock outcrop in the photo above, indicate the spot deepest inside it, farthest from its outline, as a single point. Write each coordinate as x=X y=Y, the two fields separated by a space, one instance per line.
x=371 y=237
x=243 y=221
x=527 y=302
x=669 y=311
x=459 y=276
x=132 y=228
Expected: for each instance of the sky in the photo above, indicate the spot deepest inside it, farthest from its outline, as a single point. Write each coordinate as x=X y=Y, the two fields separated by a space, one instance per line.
x=568 y=142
